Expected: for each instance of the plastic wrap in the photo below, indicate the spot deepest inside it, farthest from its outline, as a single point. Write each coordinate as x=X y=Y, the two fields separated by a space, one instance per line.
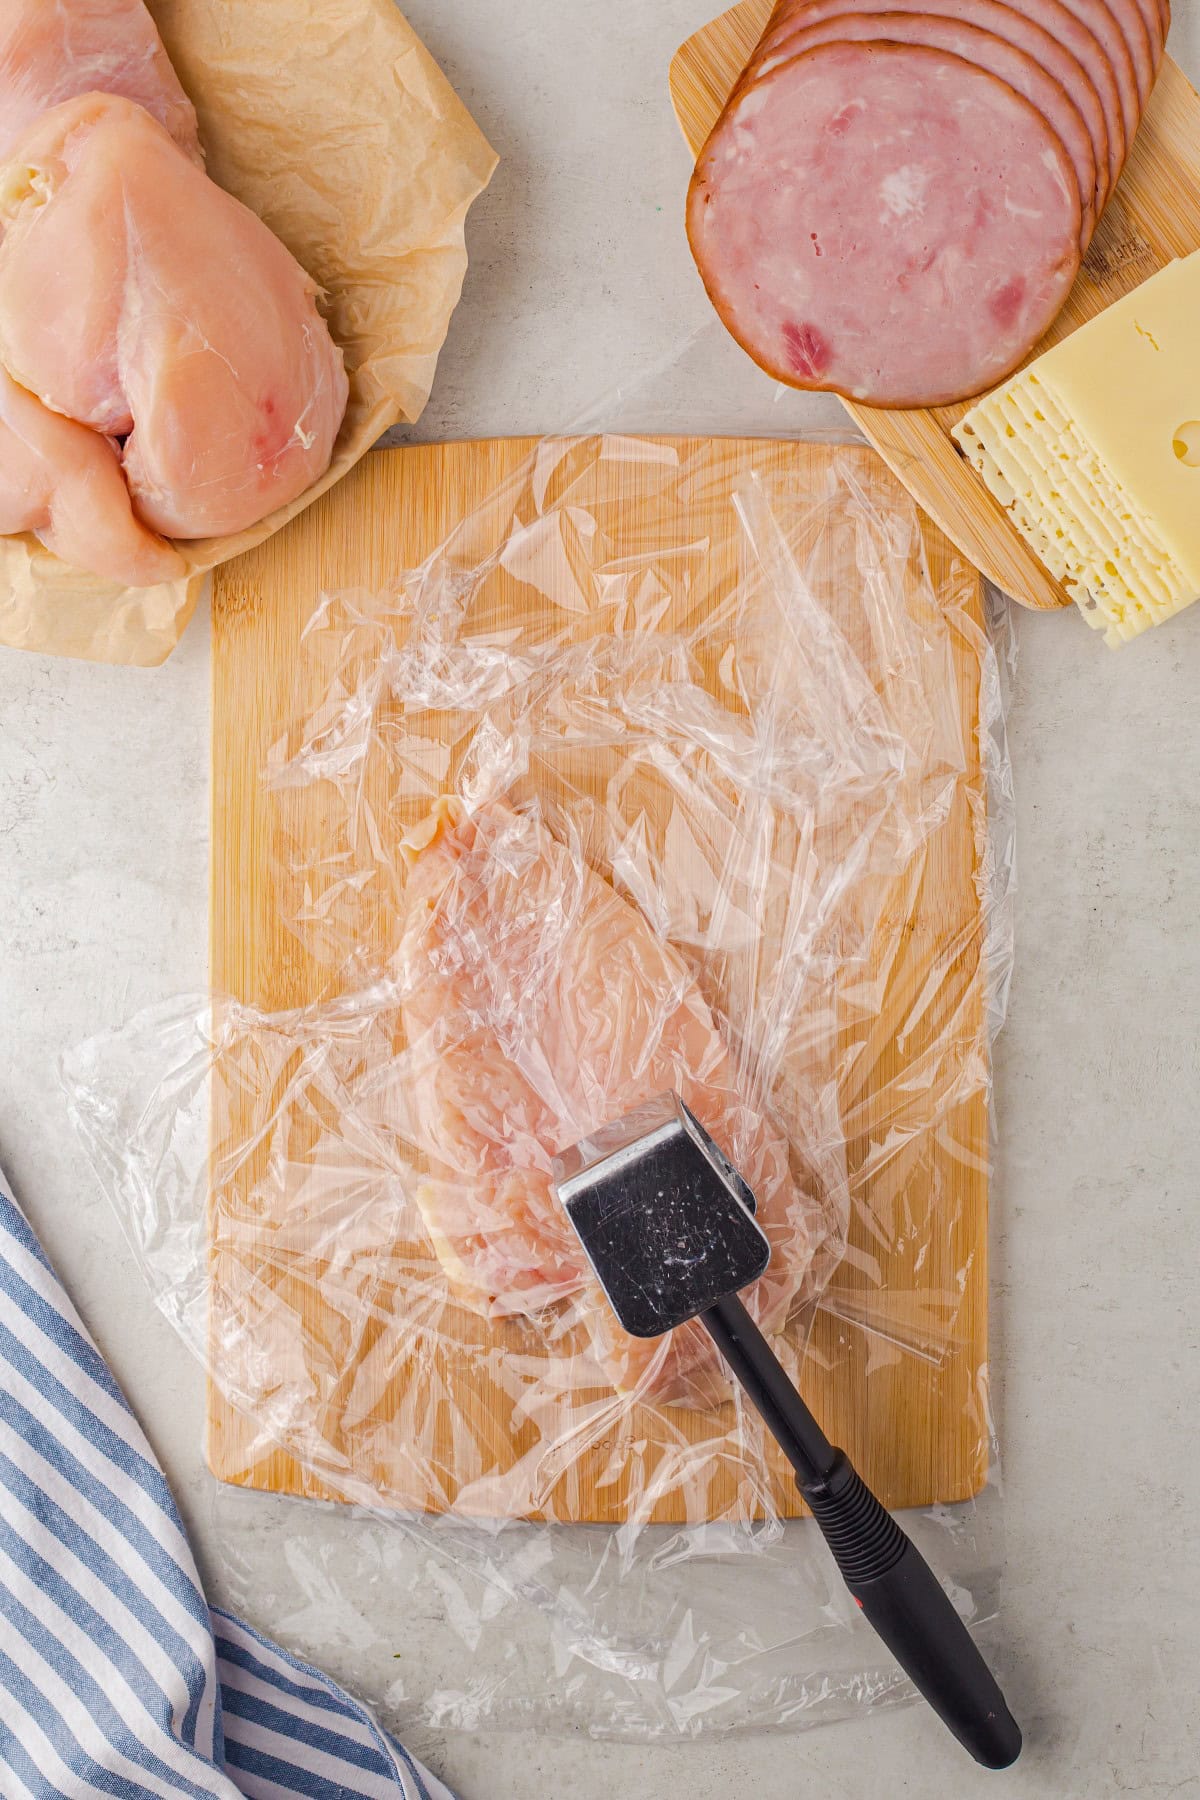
x=678 y=764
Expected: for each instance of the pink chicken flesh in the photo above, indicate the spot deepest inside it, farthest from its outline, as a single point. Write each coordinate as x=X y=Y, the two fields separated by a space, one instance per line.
x=64 y=483
x=539 y=1007
x=56 y=50
x=140 y=299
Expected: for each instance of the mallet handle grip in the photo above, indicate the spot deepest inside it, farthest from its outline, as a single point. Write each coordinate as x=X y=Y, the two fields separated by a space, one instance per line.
x=900 y=1595
x=892 y=1583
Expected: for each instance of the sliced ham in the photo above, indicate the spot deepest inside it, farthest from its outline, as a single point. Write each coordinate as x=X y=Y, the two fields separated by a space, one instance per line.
x=888 y=221
x=1044 y=29
x=1156 y=18
x=998 y=57
x=1132 y=32
x=1140 y=41
x=1100 y=19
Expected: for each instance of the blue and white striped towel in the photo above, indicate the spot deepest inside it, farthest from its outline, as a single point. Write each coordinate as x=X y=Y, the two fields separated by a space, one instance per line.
x=116 y=1679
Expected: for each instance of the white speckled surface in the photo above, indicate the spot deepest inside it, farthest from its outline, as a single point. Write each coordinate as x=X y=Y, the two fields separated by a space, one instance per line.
x=579 y=255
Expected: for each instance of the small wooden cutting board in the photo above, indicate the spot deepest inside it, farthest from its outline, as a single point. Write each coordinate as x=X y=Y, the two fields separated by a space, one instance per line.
x=1153 y=217
x=907 y=1402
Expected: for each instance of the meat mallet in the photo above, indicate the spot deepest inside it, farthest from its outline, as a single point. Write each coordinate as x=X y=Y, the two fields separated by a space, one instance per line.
x=668 y=1226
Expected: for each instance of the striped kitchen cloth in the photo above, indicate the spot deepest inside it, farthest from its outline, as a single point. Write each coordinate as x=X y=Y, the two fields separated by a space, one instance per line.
x=116 y=1678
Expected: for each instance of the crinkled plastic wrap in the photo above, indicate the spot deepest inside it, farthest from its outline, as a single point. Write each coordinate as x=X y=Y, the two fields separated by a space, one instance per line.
x=678 y=765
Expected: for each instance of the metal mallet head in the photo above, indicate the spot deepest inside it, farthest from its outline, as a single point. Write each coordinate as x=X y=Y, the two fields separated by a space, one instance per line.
x=665 y=1219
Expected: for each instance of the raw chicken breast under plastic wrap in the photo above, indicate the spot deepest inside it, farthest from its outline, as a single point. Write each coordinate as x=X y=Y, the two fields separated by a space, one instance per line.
x=139 y=298
x=539 y=1006
x=56 y=50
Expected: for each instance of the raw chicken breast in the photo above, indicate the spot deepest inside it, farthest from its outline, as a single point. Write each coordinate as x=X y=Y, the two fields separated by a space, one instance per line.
x=64 y=483
x=139 y=298
x=540 y=1006
x=55 y=50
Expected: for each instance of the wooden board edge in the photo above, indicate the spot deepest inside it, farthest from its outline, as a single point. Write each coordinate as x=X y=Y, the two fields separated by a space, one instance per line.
x=905 y=438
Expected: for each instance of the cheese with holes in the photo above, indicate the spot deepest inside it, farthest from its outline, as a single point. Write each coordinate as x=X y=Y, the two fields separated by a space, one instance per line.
x=1094 y=449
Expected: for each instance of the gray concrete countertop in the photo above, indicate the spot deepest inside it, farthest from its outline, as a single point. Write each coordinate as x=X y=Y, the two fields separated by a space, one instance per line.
x=580 y=271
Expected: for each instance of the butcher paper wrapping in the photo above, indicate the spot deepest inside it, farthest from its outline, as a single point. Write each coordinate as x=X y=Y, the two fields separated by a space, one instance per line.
x=329 y=119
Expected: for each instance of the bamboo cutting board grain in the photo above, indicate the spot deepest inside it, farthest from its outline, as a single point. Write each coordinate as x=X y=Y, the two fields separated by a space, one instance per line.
x=1153 y=217
x=914 y=1422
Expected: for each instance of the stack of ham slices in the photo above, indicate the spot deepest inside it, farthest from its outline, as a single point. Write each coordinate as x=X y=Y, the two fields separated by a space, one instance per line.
x=164 y=370
x=894 y=204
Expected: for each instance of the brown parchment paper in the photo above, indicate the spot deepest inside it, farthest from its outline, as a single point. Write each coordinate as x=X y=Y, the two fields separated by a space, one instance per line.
x=331 y=120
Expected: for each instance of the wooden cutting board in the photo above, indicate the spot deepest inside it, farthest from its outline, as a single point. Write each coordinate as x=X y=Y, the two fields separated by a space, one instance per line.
x=910 y=1411
x=1153 y=217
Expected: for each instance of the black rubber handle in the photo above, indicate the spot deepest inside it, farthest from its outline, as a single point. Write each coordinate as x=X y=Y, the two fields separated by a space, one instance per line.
x=905 y=1602
x=893 y=1584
